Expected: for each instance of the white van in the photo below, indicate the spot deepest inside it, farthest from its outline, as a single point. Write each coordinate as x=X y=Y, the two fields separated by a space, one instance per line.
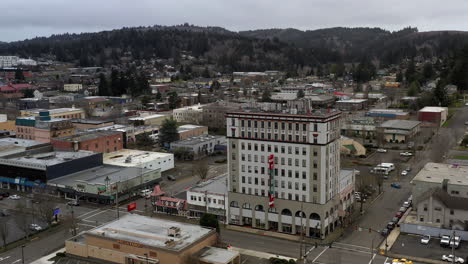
x=390 y=166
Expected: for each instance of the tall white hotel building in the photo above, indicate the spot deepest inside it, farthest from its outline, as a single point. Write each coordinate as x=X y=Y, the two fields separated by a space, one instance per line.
x=304 y=178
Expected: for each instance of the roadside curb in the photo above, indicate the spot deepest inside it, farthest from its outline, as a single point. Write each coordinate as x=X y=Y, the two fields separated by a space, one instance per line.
x=422 y=260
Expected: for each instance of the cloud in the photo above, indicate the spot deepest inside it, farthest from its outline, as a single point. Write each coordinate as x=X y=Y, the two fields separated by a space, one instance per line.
x=26 y=19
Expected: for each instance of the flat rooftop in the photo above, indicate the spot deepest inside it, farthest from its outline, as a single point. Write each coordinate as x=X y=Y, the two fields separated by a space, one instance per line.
x=270 y=113
x=437 y=172
x=151 y=232
x=133 y=157
x=88 y=135
x=91 y=122
x=353 y=101
x=53 y=111
x=216 y=255
x=42 y=160
x=197 y=140
x=434 y=109
x=97 y=175
x=148 y=117
x=20 y=142
x=188 y=127
x=400 y=124
x=217 y=185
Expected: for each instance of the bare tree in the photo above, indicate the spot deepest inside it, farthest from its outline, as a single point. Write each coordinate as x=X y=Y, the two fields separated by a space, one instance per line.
x=201 y=169
x=22 y=220
x=46 y=211
x=4 y=231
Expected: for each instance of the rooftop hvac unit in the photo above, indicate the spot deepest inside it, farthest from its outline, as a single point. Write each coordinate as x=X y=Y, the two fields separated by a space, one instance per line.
x=173 y=231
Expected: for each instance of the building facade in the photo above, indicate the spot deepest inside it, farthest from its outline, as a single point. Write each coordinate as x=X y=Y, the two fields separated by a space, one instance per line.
x=190 y=114
x=198 y=147
x=188 y=131
x=97 y=141
x=209 y=197
x=431 y=115
x=284 y=171
x=56 y=113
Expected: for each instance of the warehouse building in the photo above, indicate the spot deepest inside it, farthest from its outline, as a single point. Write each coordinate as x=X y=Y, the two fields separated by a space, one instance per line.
x=140 y=159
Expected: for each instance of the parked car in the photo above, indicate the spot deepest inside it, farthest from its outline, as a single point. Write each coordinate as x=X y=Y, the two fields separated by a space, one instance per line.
x=445 y=241
x=35 y=227
x=408 y=169
x=399 y=214
x=401 y=261
x=425 y=239
x=395 y=185
x=4 y=194
x=145 y=193
x=171 y=178
x=451 y=257
x=395 y=219
x=455 y=241
x=391 y=225
x=381 y=150
x=404 y=173
x=402 y=209
x=74 y=203
x=406 y=154
x=407 y=204
x=14 y=197
x=384 y=232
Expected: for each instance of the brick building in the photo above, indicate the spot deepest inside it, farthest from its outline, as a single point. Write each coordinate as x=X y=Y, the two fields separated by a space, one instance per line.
x=97 y=141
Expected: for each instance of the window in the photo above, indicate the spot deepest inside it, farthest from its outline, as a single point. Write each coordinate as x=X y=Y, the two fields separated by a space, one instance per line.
x=256 y=181
x=296 y=150
x=304 y=187
x=296 y=162
x=242 y=123
x=303 y=198
x=315 y=153
x=242 y=146
x=249 y=180
x=304 y=175
x=282 y=184
x=425 y=207
x=243 y=179
x=289 y=173
x=297 y=126
x=233 y=156
x=451 y=211
x=248 y=123
x=315 y=127
x=304 y=163
x=290 y=185
x=249 y=146
x=283 y=149
x=283 y=172
x=282 y=161
x=243 y=168
x=304 y=127
x=289 y=196
x=296 y=174
x=256 y=147
x=437 y=209
x=289 y=161
x=304 y=151
x=262 y=147
x=282 y=126
x=437 y=220
x=276 y=149
x=233 y=122
x=314 y=188
x=296 y=186
x=262 y=182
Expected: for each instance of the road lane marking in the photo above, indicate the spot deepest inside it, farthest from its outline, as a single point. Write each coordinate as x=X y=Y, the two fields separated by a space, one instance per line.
x=5 y=258
x=16 y=261
x=318 y=256
x=372 y=259
x=353 y=250
x=89 y=212
x=385 y=262
x=104 y=211
x=86 y=225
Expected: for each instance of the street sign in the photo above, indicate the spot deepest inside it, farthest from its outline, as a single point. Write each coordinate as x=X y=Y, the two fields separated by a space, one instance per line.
x=56 y=211
x=131 y=207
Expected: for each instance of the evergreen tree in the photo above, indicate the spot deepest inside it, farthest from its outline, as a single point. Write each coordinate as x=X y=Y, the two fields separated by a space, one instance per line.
x=19 y=76
x=300 y=94
x=103 y=88
x=210 y=220
x=410 y=72
x=173 y=99
x=115 y=83
x=168 y=132
x=206 y=73
x=428 y=71
x=399 y=77
x=413 y=89
x=266 y=96
x=158 y=96
x=28 y=93
x=459 y=73
x=440 y=94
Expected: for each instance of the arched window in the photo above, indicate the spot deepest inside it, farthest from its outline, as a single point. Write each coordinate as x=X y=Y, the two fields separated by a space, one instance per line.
x=246 y=206
x=286 y=212
x=259 y=208
x=300 y=214
x=314 y=216
x=234 y=204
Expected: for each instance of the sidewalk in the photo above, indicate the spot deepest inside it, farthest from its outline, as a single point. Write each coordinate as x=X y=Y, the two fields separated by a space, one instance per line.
x=45 y=259
x=259 y=254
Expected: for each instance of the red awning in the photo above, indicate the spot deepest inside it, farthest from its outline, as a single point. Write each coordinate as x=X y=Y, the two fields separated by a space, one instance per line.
x=157 y=191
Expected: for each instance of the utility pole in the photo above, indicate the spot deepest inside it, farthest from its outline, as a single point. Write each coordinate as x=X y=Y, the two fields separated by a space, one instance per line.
x=22 y=254
x=453 y=247
x=117 y=198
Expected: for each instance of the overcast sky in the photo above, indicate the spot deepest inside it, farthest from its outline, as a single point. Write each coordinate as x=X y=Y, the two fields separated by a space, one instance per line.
x=22 y=19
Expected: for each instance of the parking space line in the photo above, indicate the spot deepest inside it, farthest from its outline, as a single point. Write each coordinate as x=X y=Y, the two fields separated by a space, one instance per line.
x=86 y=219
x=318 y=256
x=385 y=262
x=372 y=259
x=88 y=213
x=86 y=225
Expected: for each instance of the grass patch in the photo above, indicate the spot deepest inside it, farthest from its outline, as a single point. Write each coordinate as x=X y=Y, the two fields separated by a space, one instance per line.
x=460 y=157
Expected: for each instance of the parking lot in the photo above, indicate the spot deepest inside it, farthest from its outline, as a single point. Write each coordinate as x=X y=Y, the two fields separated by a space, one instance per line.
x=409 y=244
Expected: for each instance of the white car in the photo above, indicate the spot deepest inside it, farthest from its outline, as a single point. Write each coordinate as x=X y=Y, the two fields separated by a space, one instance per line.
x=35 y=227
x=451 y=257
x=407 y=204
x=14 y=197
x=404 y=173
x=455 y=241
x=382 y=150
x=406 y=154
x=425 y=239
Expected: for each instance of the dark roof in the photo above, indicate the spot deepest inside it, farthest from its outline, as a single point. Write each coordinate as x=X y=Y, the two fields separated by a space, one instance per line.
x=452 y=202
x=88 y=135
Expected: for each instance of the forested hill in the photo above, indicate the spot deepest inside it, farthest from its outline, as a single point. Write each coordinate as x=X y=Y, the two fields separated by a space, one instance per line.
x=255 y=50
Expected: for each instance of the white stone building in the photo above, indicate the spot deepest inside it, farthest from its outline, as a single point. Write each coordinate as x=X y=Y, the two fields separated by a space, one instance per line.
x=209 y=197
x=305 y=178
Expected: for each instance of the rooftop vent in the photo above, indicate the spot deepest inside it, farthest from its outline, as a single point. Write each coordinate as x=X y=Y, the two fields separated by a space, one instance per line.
x=173 y=231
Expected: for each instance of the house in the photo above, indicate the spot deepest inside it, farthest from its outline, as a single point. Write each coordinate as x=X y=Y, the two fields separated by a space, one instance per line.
x=399 y=131
x=209 y=196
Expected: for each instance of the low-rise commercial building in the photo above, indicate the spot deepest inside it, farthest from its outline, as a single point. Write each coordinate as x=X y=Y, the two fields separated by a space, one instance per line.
x=214 y=115
x=85 y=124
x=97 y=141
x=211 y=197
x=399 y=131
x=352 y=104
x=72 y=87
x=188 y=131
x=140 y=159
x=200 y=146
x=142 y=120
x=32 y=103
x=139 y=239
x=56 y=113
x=383 y=114
x=43 y=128
x=189 y=114
x=431 y=115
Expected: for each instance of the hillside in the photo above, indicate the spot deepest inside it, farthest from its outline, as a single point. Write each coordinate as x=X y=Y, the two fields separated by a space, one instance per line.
x=255 y=50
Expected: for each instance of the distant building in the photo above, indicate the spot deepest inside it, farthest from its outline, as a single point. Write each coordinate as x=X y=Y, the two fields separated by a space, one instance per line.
x=431 y=115
x=365 y=128
x=9 y=146
x=32 y=103
x=43 y=128
x=97 y=141
x=140 y=159
x=149 y=119
x=387 y=114
x=214 y=115
x=200 y=146
x=128 y=132
x=188 y=131
x=352 y=104
x=56 y=113
x=140 y=239
x=399 y=131
x=85 y=124
x=73 y=87
x=8 y=61
x=188 y=114
x=209 y=196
